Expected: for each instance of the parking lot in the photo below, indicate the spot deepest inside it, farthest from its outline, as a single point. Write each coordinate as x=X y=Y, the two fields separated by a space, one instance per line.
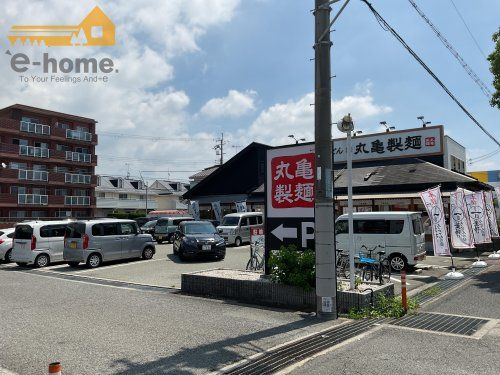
x=165 y=269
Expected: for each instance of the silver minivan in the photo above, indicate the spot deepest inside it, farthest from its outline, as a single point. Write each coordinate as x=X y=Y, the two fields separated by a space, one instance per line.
x=39 y=242
x=166 y=226
x=235 y=228
x=96 y=241
x=400 y=234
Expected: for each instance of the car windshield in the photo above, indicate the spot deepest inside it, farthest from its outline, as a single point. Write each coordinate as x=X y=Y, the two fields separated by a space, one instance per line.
x=196 y=228
x=230 y=220
x=151 y=223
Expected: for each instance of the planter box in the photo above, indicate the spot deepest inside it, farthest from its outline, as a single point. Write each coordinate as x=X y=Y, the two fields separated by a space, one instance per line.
x=253 y=287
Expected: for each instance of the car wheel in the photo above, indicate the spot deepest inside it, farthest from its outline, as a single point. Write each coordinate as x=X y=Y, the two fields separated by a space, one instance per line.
x=175 y=250
x=237 y=242
x=42 y=261
x=147 y=253
x=181 y=254
x=398 y=262
x=21 y=264
x=94 y=260
x=8 y=256
x=73 y=264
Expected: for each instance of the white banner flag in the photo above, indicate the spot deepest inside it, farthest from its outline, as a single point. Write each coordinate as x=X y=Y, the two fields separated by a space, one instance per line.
x=491 y=213
x=434 y=206
x=194 y=209
x=241 y=206
x=478 y=217
x=497 y=191
x=460 y=226
x=217 y=211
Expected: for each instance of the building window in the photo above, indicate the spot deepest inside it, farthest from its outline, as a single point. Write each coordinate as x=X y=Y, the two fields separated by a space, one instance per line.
x=17 y=190
x=20 y=142
x=61 y=192
x=62 y=125
x=101 y=195
x=14 y=165
x=80 y=193
x=122 y=196
x=17 y=214
x=62 y=147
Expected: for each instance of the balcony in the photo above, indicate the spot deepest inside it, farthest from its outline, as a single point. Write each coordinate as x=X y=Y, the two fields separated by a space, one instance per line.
x=71 y=178
x=78 y=156
x=37 y=152
x=78 y=135
x=37 y=199
x=33 y=175
x=31 y=127
x=76 y=201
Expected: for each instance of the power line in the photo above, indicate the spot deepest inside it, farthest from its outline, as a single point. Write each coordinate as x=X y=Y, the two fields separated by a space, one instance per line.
x=431 y=73
x=154 y=138
x=468 y=29
x=484 y=157
x=484 y=88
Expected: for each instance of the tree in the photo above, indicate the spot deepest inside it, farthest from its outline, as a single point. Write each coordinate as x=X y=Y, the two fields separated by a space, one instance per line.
x=494 y=59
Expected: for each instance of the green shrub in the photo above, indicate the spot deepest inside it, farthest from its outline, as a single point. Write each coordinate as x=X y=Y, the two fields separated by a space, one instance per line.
x=385 y=307
x=291 y=267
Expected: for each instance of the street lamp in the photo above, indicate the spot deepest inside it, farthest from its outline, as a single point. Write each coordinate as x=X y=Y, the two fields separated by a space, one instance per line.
x=424 y=123
x=346 y=125
x=296 y=140
x=387 y=127
x=146 y=185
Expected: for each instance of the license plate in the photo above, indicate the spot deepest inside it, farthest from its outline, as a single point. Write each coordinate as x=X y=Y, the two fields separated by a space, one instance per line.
x=72 y=245
x=206 y=247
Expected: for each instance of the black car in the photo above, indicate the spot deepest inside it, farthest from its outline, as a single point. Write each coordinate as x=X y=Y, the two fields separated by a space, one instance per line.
x=198 y=238
x=149 y=227
x=142 y=220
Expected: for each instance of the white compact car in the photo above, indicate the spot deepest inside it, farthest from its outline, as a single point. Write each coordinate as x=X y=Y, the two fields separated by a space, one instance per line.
x=6 y=244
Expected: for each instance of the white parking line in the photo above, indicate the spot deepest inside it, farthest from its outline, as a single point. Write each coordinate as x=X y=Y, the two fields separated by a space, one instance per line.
x=4 y=371
x=77 y=271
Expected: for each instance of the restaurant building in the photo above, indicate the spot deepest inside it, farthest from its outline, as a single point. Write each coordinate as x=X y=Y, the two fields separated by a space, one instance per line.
x=389 y=171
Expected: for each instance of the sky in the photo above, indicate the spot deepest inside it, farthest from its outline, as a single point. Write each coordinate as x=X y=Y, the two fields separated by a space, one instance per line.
x=192 y=70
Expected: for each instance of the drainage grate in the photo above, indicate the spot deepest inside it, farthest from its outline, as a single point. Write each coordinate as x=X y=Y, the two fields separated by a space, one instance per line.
x=285 y=356
x=459 y=325
x=445 y=285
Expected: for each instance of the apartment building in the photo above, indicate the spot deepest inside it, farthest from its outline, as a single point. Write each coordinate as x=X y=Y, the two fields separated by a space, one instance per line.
x=47 y=164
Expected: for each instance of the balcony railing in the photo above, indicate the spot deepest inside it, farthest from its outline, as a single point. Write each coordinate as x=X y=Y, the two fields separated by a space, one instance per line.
x=32 y=199
x=71 y=178
x=38 y=152
x=31 y=127
x=76 y=201
x=33 y=175
x=79 y=135
x=78 y=156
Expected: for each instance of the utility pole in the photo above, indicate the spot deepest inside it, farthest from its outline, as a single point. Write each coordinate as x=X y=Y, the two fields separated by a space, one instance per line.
x=219 y=148
x=326 y=281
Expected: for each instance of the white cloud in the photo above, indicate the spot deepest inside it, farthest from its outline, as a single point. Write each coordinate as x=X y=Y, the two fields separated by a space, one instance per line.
x=140 y=98
x=274 y=124
x=235 y=104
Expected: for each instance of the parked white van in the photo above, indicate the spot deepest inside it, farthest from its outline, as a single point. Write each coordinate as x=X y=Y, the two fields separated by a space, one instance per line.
x=400 y=234
x=235 y=228
x=39 y=242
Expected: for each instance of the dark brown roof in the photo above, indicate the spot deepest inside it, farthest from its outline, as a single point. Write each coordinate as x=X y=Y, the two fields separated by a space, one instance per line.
x=411 y=173
x=204 y=173
x=48 y=112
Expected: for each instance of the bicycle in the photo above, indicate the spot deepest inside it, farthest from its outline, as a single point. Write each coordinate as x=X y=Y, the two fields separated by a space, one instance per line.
x=256 y=261
x=375 y=269
x=342 y=264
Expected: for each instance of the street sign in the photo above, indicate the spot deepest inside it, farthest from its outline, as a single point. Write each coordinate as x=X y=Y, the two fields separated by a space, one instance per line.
x=290 y=197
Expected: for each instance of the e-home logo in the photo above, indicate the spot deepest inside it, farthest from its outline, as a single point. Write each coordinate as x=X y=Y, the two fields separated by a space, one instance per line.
x=96 y=29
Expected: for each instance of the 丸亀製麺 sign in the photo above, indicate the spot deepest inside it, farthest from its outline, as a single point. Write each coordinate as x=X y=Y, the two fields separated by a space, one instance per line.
x=405 y=143
x=293 y=181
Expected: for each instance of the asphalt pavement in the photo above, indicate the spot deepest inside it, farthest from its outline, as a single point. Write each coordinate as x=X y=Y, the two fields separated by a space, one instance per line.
x=391 y=350
x=97 y=329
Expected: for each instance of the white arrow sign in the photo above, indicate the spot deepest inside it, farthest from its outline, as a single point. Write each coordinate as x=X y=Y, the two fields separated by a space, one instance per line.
x=282 y=232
